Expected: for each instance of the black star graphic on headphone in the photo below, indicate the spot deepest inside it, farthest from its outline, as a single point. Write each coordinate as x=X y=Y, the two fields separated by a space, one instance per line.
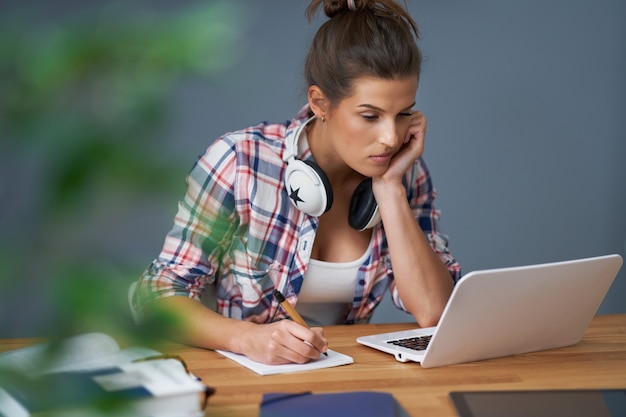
x=294 y=196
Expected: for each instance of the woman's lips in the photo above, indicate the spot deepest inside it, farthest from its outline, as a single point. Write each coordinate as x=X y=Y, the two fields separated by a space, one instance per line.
x=382 y=158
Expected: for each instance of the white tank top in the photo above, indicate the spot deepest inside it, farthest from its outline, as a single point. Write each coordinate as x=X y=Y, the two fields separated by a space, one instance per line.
x=328 y=291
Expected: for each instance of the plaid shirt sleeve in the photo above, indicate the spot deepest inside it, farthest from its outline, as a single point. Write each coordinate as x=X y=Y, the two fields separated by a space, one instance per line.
x=422 y=199
x=203 y=225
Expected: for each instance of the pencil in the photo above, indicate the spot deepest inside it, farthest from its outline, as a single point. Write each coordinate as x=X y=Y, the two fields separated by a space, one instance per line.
x=291 y=311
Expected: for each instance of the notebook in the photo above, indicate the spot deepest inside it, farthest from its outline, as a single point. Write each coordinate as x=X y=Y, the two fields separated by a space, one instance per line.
x=507 y=311
x=332 y=359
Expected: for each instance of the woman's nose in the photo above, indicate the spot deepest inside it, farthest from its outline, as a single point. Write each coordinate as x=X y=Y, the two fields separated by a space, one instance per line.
x=389 y=135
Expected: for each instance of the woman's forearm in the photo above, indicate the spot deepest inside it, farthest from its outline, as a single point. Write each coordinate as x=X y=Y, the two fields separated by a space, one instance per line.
x=423 y=281
x=195 y=324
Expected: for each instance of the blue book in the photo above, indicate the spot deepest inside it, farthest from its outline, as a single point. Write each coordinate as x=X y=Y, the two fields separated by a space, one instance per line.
x=338 y=404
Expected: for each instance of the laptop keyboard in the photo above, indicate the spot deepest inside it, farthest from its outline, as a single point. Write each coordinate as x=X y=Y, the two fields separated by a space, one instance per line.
x=415 y=343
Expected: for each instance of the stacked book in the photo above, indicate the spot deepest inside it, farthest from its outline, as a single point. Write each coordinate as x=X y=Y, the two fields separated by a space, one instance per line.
x=89 y=375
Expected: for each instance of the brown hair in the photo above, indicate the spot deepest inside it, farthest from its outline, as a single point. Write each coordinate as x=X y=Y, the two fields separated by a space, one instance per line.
x=377 y=38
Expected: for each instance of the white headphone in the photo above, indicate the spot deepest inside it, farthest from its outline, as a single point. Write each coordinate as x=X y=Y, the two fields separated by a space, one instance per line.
x=310 y=191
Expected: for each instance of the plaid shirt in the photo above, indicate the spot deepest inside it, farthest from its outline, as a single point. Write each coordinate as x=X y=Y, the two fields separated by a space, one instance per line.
x=237 y=230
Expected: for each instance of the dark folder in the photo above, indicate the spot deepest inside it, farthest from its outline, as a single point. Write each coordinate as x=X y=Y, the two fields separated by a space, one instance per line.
x=355 y=403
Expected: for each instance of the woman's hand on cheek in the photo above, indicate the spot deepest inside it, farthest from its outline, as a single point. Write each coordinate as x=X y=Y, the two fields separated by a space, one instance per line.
x=412 y=147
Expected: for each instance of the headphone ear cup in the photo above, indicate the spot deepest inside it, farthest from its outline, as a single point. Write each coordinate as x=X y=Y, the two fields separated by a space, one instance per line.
x=363 y=213
x=308 y=187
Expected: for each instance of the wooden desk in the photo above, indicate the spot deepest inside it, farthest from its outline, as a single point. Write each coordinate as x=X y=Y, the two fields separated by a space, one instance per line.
x=598 y=361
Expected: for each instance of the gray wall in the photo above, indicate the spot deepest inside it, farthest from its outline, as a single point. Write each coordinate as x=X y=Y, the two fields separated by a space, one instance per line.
x=525 y=101
x=526 y=104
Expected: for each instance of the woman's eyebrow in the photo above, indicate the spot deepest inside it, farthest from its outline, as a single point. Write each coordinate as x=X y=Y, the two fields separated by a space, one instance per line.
x=372 y=107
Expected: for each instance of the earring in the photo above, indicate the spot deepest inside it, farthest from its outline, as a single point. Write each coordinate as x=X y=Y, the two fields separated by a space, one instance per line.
x=323 y=119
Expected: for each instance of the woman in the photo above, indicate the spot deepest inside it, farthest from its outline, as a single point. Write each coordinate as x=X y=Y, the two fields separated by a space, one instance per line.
x=269 y=207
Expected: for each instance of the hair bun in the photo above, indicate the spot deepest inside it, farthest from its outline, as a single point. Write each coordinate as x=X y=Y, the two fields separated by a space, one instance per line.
x=334 y=7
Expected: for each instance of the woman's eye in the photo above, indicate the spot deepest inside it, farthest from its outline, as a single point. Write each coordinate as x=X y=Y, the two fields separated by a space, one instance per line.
x=370 y=117
x=405 y=114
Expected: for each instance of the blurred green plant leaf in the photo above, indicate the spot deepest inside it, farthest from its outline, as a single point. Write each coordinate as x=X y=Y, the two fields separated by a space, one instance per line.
x=93 y=92
x=89 y=96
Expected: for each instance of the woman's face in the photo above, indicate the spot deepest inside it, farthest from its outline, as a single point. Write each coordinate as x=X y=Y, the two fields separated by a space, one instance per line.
x=367 y=128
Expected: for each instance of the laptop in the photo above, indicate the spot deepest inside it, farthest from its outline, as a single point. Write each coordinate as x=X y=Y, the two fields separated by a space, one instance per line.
x=507 y=311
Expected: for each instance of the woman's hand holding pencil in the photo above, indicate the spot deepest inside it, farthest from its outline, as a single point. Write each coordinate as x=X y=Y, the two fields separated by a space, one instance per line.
x=295 y=316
